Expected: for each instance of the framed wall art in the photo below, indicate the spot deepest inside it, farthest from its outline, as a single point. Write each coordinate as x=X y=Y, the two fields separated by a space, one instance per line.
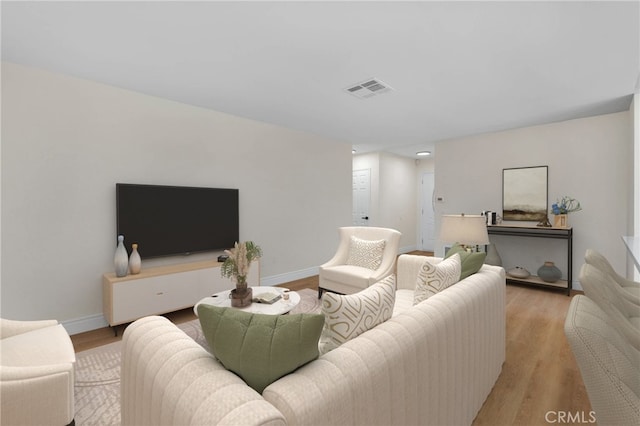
x=524 y=193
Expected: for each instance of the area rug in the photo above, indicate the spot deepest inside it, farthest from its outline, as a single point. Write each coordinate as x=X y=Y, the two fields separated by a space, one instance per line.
x=97 y=390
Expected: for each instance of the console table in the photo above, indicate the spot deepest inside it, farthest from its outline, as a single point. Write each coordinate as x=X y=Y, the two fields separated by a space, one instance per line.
x=163 y=289
x=540 y=232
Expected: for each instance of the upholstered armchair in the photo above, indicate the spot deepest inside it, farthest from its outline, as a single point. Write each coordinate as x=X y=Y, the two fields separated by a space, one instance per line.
x=36 y=373
x=365 y=255
x=608 y=363
x=631 y=288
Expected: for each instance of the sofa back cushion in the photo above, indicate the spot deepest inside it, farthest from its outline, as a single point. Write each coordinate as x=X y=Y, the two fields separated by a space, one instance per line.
x=260 y=348
x=347 y=316
x=435 y=277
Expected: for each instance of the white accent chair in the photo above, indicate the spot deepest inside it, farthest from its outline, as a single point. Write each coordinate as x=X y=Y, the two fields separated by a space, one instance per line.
x=631 y=288
x=338 y=276
x=609 y=364
x=36 y=373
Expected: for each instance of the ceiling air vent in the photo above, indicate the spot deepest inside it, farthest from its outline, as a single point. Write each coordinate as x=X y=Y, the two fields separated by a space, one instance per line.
x=368 y=88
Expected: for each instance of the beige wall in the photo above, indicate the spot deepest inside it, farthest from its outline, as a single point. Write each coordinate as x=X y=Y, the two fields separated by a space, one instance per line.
x=66 y=142
x=588 y=159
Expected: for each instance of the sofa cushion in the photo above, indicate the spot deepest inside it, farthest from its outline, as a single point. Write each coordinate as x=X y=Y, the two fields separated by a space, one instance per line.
x=347 y=316
x=435 y=277
x=260 y=348
x=404 y=301
x=471 y=262
x=365 y=253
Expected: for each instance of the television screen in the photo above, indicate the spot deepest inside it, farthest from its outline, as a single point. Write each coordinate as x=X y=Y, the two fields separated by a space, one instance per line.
x=174 y=220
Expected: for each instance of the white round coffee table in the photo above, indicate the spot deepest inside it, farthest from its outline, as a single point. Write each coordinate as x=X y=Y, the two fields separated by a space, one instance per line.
x=279 y=307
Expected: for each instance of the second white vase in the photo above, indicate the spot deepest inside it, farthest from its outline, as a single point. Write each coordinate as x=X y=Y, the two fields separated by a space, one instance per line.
x=135 y=262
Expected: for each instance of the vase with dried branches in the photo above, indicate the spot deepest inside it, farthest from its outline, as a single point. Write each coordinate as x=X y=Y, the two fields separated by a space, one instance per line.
x=236 y=267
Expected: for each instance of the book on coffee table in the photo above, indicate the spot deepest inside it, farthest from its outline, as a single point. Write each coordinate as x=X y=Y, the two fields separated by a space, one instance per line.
x=268 y=298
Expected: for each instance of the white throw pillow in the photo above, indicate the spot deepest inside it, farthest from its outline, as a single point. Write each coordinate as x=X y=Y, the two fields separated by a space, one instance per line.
x=365 y=253
x=433 y=278
x=347 y=316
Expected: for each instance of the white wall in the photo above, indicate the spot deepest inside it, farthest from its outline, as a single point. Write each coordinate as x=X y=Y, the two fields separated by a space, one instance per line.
x=588 y=159
x=66 y=142
x=393 y=194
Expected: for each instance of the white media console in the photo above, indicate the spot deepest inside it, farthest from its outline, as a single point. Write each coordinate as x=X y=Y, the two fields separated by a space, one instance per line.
x=164 y=289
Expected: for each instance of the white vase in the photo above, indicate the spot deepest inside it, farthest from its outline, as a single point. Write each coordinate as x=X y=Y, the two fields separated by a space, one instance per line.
x=121 y=259
x=135 y=263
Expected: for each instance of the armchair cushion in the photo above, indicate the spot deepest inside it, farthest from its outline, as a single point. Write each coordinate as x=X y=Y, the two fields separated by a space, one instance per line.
x=365 y=253
x=42 y=346
x=260 y=348
x=348 y=316
x=355 y=276
x=10 y=328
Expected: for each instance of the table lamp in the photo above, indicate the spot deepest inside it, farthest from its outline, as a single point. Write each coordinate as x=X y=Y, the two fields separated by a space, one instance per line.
x=468 y=230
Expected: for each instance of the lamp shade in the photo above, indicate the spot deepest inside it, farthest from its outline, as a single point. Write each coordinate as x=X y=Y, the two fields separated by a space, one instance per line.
x=464 y=229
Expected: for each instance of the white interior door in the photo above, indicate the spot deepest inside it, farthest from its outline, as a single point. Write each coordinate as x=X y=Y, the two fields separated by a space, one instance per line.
x=428 y=221
x=361 y=197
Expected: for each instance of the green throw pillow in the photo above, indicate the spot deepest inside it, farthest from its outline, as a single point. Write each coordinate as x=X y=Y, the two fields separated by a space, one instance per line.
x=260 y=348
x=471 y=262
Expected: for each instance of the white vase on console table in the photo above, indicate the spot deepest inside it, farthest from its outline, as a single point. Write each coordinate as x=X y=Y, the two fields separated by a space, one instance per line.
x=121 y=258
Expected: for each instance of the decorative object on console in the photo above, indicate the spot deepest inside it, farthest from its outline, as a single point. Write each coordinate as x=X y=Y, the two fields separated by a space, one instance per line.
x=135 y=263
x=236 y=267
x=549 y=272
x=544 y=223
x=121 y=258
x=493 y=257
x=468 y=230
x=561 y=209
x=524 y=193
x=518 y=272
x=492 y=217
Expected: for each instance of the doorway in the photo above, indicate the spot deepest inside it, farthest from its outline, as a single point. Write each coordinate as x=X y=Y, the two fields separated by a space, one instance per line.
x=361 y=197
x=428 y=213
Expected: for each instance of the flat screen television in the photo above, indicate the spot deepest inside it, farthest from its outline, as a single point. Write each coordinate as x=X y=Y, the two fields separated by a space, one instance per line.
x=176 y=220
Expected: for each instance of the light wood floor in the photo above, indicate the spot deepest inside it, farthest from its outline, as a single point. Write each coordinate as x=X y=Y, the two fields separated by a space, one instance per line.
x=539 y=375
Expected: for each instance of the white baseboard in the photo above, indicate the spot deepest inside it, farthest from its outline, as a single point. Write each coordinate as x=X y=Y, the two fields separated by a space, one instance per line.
x=576 y=285
x=80 y=325
x=289 y=276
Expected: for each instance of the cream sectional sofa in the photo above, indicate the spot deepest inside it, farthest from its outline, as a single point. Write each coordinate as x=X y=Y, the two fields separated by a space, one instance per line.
x=432 y=363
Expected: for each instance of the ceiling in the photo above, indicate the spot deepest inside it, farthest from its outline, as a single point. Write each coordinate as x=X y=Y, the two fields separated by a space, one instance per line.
x=455 y=68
